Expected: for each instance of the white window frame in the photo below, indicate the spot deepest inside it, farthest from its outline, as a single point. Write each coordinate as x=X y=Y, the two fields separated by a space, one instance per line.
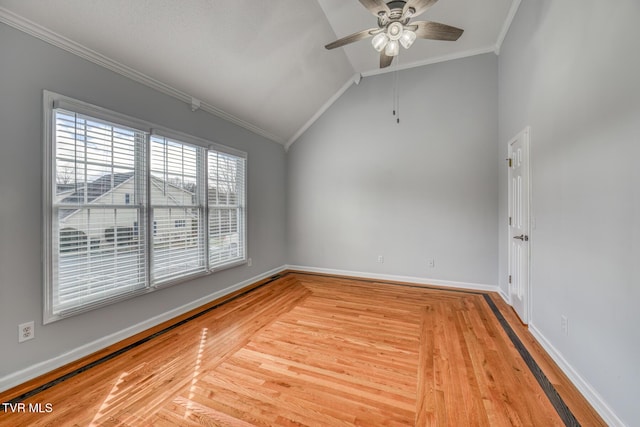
x=242 y=207
x=242 y=198
x=51 y=101
x=199 y=206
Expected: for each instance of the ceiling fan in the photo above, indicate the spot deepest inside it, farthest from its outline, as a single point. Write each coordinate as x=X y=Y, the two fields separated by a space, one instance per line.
x=395 y=29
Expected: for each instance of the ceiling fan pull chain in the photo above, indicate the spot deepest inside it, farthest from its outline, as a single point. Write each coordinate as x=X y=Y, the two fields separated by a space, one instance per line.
x=397 y=96
x=396 y=112
x=393 y=93
x=397 y=90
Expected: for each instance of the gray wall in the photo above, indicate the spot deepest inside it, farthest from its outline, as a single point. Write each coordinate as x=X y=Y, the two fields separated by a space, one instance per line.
x=570 y=69
x=27 y=66
x=360 y=185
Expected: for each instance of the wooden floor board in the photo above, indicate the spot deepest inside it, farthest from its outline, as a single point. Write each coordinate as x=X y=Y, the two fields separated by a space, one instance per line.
x=322 y=351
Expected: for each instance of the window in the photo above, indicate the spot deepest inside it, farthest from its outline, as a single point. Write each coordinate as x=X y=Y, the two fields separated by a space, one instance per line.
x=177 y=195
x=226 y=208
x=128 y=208
x=96 y=255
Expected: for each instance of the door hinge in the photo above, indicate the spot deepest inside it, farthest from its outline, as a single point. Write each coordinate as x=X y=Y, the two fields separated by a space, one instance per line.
x=509 y=278
x=509 y=161
x=509 y=220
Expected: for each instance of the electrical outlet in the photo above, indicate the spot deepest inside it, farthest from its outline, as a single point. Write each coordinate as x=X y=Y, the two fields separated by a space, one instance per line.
x=431 y=263
x=26 y=331
x=564 y=324
x=249 y=262
x=380 y=259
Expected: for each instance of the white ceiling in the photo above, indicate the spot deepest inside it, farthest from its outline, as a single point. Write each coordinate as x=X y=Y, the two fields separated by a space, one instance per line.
x=258 y=63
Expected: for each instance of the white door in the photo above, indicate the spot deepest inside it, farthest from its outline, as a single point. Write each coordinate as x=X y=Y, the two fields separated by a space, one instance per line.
x=518 y=162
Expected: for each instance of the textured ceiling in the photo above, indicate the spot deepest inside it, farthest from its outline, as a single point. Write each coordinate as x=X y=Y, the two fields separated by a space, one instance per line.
x=258 y=63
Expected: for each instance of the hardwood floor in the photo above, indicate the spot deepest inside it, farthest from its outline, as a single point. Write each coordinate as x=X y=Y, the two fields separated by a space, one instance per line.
x=326 y=351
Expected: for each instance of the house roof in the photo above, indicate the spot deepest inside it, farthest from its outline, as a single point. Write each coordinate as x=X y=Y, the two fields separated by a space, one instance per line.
x=93 y=190
x=101 y=187
x=97 y=188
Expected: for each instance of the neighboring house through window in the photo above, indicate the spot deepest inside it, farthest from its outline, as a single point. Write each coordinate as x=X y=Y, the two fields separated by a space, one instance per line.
x=120 y=193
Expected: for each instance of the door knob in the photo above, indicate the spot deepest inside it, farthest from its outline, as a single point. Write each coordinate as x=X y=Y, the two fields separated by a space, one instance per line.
x=522 y=237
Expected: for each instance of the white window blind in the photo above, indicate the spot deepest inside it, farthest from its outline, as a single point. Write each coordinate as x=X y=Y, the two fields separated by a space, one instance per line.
x=97 y=235
x=226 y=203
x=128 y=209
x=178 y=207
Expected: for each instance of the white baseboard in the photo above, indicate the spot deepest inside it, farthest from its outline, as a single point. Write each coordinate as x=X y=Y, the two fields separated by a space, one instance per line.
x=38 y=369
x=581 y=384
x=504 y=296
x=396 y=278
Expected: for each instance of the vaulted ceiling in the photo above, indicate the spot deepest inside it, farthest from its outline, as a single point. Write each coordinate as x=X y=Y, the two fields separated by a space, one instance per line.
x=258 y=63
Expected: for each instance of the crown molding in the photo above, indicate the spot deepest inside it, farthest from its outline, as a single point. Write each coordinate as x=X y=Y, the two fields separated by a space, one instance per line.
x=29 y=27
x=429 y=61
x=354 y=79
x=507 y=24
x=358 y=76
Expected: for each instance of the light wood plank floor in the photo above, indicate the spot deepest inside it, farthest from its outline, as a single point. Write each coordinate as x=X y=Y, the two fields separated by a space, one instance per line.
x=326 y=351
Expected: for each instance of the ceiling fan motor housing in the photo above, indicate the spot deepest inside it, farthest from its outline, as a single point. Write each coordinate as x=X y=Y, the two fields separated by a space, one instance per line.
x=396 y=4
x=395 y=29
x=396 y=14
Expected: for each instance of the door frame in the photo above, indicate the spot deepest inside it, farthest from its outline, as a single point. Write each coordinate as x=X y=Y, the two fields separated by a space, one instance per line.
x=526 y=135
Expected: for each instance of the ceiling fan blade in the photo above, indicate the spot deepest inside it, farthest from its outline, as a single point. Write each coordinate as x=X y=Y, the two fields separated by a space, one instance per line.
x=352 y=38
x=436 y=31
x=385 y=60
x=419 y=5
x=376 y=6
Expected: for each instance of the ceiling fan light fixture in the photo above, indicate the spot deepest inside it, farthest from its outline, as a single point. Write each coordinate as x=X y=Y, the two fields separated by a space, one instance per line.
x=395 y=28
x=394 y=31
x=379 y=41
x=392 y=48
x=407 y=38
